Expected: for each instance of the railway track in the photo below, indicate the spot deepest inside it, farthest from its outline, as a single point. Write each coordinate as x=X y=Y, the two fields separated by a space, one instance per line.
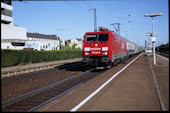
x=31 y=75
x=163 y=54
x=36 y=98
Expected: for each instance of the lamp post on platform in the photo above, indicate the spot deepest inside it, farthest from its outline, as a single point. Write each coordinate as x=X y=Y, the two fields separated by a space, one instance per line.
x=153 y=38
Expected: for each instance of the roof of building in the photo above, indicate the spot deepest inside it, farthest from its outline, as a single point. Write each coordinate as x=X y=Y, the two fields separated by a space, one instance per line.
x=42 y=36
x=79 y=39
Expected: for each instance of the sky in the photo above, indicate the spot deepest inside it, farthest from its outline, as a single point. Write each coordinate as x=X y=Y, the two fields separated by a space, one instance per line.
x=70 y=19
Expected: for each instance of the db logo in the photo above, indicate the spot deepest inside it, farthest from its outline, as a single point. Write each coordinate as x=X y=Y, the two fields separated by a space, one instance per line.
x=96 y=44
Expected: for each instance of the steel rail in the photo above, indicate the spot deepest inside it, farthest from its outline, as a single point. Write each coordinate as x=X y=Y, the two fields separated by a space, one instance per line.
x=54 y=98
x=58 y=67
x=45 y=87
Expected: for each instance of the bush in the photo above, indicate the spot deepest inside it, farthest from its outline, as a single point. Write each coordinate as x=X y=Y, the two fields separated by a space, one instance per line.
x=17 y=57
x=145 y=54
x=8 y=58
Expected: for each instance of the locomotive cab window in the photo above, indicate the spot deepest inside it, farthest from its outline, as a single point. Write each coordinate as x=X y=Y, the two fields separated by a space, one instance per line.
x=97 y=38
x=103 y=38
x=91 y=38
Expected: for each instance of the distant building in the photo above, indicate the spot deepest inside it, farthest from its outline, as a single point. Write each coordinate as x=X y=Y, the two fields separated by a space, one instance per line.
x=76 y=41
x=39 y=42
x=12 y=37
x=80 y=43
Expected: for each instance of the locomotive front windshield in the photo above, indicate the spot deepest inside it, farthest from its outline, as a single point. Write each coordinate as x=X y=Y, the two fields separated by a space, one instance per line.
x=97 y=38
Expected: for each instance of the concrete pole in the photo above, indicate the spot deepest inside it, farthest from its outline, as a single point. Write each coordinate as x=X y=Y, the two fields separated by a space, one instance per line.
x=95 y=20
x=154 y=58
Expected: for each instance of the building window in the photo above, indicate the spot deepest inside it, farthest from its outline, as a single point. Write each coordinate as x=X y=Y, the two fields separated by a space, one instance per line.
x=17 y=44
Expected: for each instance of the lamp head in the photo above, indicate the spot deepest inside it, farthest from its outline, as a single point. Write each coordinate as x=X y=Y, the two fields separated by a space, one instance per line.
x=153 y=15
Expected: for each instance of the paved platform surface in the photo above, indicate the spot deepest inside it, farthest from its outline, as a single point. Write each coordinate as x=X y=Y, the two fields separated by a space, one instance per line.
x=131 y=90
x=161 y=71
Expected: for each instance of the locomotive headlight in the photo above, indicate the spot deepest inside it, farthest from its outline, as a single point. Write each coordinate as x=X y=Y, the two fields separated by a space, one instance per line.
x=104 y=48
x=104 y=53
x=87 y=53
x=87 y=49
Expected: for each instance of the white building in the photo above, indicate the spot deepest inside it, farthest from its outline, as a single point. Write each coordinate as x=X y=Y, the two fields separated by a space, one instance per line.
x=39 y=42
x=12 y=37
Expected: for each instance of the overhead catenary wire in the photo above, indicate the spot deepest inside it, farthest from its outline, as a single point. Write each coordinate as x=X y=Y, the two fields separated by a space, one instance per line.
x=55 y=14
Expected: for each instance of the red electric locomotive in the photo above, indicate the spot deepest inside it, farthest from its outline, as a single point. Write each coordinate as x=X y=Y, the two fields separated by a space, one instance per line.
x=104 y=48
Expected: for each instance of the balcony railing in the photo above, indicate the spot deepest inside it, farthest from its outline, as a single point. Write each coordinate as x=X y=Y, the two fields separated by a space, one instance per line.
x=6 y=18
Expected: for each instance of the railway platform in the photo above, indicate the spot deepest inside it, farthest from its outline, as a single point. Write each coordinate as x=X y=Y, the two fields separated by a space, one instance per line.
x=132 y=88
x=20 y=69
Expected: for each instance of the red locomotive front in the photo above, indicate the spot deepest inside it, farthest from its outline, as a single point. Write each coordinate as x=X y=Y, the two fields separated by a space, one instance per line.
x=103 y=48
